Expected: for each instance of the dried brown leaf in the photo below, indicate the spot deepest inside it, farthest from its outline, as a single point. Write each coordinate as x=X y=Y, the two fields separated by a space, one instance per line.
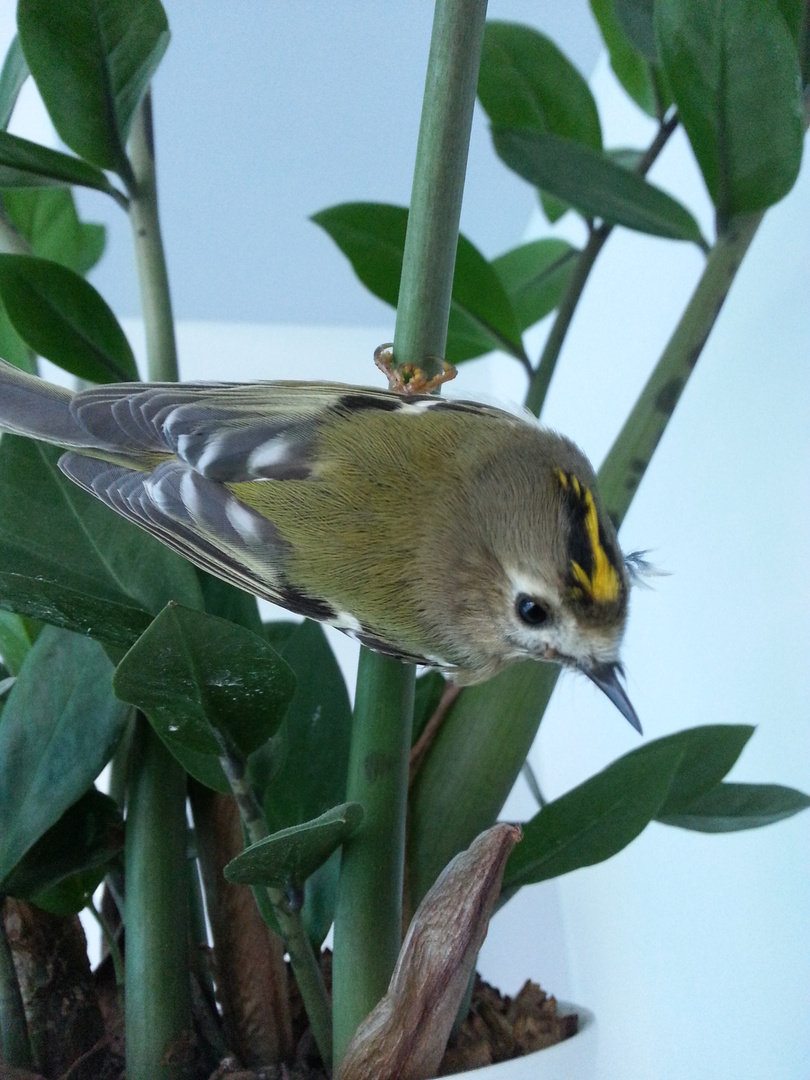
x=404 y=1037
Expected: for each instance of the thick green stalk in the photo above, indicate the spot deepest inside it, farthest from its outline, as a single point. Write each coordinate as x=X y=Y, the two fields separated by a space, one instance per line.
x=423 y=308
x=628 y=458
x=158 y=1001
x=15 y=1046
x=369 y=909
x=368 y=920
x=153 y=278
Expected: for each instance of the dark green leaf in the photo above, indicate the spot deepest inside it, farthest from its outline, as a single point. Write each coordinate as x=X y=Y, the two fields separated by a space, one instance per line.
x=67 y=559
x=636 y=19
x=535 y=276
x=729 y=807
x=92 y=61
x=320 y=895
x=205 y=683
x=279 y=631
x=708 y=754
x=27 y=164
x=47 y=218
x=291 y=855
x=84 y=839
x=795 y=13
x=526 y=82
x=12 y=347
x=63 y=318
x=310 y=775
x=734 y=75
x=480 y=301
x=14 y=641
x=595 y=185
x=60 y=726
x=553 y=208
x=227 y=602
x=596 y=819
x=12 y=77
x=630 y=66
x=372 y=237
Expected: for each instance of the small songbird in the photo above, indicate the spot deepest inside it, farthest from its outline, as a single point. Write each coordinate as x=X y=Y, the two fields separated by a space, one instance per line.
x=441 y=532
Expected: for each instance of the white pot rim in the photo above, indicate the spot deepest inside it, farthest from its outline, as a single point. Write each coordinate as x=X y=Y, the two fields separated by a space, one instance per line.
x=556 y=1062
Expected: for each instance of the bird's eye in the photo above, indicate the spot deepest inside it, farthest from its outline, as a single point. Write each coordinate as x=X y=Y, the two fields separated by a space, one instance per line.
x=531 y=612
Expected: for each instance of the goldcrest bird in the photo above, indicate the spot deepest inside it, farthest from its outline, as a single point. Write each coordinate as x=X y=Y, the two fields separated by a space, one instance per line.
x=440 y=532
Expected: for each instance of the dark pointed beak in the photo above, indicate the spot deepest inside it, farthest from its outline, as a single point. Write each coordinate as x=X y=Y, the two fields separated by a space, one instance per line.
x=606 y=677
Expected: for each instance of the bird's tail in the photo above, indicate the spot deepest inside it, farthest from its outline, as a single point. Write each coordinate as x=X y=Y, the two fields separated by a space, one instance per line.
x=34 y=407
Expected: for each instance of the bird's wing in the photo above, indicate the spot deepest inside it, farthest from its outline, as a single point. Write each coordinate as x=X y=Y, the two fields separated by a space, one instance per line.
x=234 y=432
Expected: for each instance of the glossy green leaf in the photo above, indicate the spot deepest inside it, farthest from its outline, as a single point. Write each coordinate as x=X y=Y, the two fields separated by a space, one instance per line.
x=67 y=559
x=708 y=754
x=60 y=725
x=734 y=75
x=730 y=807
x=287 y=858
x=79 y=845
x=535 y=276
x=227 y=602
x=12 y=76
x=15 y=643
x=92 y=61
x=205 y=683
x=279 y=631
x=553 y=208
x=630 y=66
x=526 y=82
x=372 y=237
x=63 y=318
x=27 y=164
x=596 y=819
x=594 y=184
x=12 y=347
x=47 y=218
x=302 y=770
x=311 y=775
x=636 y=19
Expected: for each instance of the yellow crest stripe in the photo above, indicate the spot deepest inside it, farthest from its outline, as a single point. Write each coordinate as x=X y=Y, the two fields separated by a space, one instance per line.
x=602 y=585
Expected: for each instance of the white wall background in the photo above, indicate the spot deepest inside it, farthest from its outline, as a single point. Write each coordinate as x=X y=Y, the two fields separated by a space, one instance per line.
x=692 y=950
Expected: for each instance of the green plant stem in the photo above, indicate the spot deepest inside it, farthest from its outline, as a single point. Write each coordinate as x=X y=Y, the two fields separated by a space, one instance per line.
x=423 y=308
x=15 y=1046
x=157 y=975
x=290 y=924
x=153 y=277
x=158 y=1001
x=628 y=458
x=541 y=379
x=368 y=918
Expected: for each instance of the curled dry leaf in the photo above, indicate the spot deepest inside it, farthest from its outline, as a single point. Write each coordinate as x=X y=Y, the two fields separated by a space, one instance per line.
x=404 y=1037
